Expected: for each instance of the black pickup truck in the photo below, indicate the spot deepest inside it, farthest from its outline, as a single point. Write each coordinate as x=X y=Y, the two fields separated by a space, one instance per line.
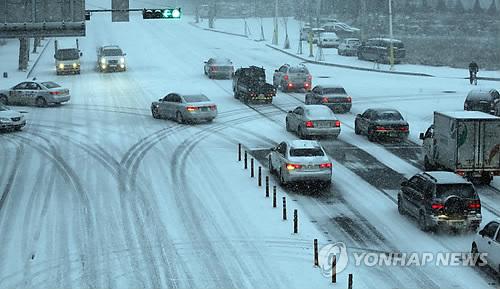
x=249 y=85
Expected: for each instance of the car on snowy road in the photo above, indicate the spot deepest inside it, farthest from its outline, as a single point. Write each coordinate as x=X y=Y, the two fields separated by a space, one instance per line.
x=111 y=58
x=378 y=123
x=39 y=93
x=440 y=199
x=487 y=243
x=184 y=108
x=349 y=47
x=11 y=119
x=300 y=161
x=292 y=77
x=333 y=96
x=313 y=120
x=219 y=68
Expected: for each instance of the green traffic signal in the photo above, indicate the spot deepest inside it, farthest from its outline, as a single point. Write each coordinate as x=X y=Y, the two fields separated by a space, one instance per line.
x=167 y=13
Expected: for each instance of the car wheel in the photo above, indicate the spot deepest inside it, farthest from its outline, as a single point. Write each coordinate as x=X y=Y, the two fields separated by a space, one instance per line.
x=300 y=133
x=427 y=165
x=4 y=100
x=485 y=179
x=401 y=209
x=422 y=223
x=19 y=128
x=287 y=125
x=179 y=118
x=282 y=179
x=371 y=136
x=41 y=102
x=475 y=255
x=155 y=113
x=356 y=128
x=271 y=169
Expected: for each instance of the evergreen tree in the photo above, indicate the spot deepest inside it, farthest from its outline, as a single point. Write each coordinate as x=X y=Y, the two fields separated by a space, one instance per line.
x=459 y=7
x=493 y=8
x=441 y=6
x=425 y=6
x=477 y=7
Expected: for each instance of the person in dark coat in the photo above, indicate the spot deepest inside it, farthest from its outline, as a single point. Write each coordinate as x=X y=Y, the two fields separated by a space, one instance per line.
x=473 y=69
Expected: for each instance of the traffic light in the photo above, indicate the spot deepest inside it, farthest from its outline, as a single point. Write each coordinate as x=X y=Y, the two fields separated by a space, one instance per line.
x=167 y=13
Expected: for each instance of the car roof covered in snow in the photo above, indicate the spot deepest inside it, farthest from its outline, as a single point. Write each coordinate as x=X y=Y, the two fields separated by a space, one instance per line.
x=463 y=114
x=304 y=144
x=441 y=177
x=319 y=109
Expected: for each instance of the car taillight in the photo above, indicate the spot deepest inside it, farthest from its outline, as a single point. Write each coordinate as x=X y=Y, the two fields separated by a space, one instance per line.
x=349 y=99
x=337 y=123
x=290 y=84
x=460 y=173
x=213 y=107
x=325 y=99
x=285 y=77
x=55 y=92
x=309 y=124
x=325 y=166
x=307 y=84
x=292 y=167
x=213 y=68
x=380 y=128
x=191 y=108
x=437 y=206
x=403 y=128
x=475 y=205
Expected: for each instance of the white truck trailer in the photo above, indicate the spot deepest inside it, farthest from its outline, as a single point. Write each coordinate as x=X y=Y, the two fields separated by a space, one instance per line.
x=465 y=142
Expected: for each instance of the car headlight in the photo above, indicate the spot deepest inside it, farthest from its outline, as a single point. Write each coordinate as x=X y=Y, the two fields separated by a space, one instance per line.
x=122 y=60
x=4 y=119
x=103 y=60
x=74 y=65
x=61 y=66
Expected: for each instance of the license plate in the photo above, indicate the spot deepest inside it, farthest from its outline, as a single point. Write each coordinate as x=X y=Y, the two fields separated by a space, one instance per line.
x=261 y=96
x=204 y=109
x=323 y=125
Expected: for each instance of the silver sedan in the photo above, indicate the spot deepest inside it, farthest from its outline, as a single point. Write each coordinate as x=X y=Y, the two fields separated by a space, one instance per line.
x=184 y=108
x=300 y=160
x=313 y=120
x=10 y=119
x=39 y=93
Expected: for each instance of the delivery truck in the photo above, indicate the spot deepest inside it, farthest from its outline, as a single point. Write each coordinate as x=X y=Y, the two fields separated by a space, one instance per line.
x=465 y=142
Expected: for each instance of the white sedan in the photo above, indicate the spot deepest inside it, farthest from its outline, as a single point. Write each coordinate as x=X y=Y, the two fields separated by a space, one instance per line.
x=11 y=119
x=39 y=93
x=486 y=245
x=313 y=120
x=300 y=161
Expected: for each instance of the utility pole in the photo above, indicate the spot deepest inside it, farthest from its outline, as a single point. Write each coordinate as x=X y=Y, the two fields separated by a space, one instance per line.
x=391 y=46
x=275 y=32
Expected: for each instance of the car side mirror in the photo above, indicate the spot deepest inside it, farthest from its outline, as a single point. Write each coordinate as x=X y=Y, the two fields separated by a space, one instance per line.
x=358 y=115
x=421 y=136
x=81 y=54
x=276 y=70
x=290 y=111
x=481 y=233
x=161 y=99
x=404 y=183
x=205 y=62
x=124 y=54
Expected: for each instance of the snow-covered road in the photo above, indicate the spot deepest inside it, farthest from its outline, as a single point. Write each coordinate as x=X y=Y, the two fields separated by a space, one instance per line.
x=98 y=194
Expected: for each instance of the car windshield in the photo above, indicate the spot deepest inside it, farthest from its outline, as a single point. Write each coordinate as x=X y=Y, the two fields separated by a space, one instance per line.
x=298 y=70
x=50 y=84
x=461 y=190
x=389 y=115
x=195 y=98
x=334 y=90
x=112 y=52
x=319 y=112
x=353 y=42
x=67 y=54
x=306 y=152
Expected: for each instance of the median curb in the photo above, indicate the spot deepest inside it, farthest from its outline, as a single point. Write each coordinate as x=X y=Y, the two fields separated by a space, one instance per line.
x=347 y=66
x=218 y=31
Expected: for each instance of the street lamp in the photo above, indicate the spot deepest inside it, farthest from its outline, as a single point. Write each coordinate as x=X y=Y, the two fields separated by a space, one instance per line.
x=391 y=45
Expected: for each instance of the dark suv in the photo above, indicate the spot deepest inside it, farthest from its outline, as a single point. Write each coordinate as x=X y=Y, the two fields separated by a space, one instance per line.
x=440 y=199
x=482 y=100
x=377 y=49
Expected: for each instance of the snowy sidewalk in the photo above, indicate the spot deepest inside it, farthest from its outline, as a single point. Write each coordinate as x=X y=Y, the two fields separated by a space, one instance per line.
x=236 y=27
x=9 y=58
